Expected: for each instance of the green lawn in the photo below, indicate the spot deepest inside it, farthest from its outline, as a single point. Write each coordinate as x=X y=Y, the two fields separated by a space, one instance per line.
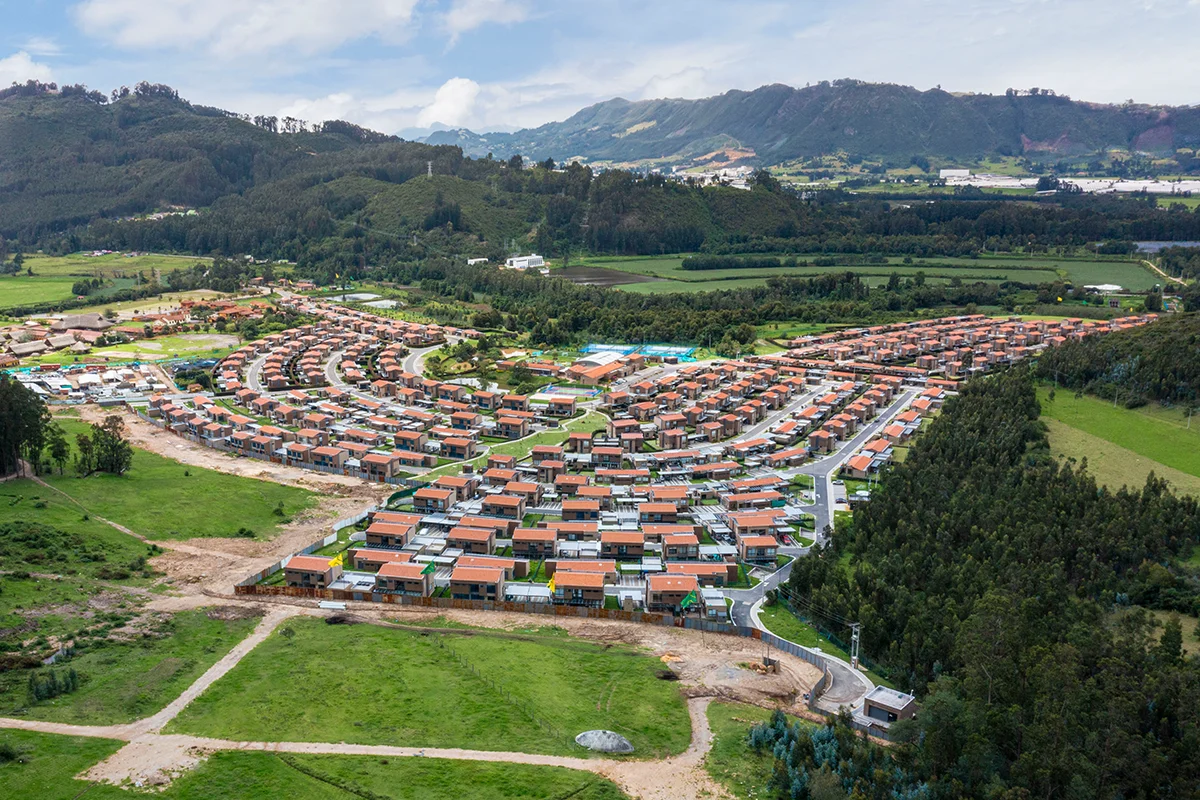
x=786 y=625
x=375 y=685
x=523 y=447
x=1155 y=433
x=122 y=681
x=48 y=765
x=743 y=771
x=158 y=500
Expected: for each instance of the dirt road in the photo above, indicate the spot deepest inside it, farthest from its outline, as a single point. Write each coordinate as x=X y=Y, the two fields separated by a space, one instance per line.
x=1164 y=275
x=708 y=665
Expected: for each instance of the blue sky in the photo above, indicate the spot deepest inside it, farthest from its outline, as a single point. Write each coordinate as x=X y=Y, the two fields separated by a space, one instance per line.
x=397 y=65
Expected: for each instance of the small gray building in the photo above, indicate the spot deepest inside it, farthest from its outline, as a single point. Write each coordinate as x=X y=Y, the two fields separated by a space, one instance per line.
x=884 y=706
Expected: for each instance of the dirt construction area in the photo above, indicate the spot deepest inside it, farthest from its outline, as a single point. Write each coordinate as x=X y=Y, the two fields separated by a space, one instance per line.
x=153 y=438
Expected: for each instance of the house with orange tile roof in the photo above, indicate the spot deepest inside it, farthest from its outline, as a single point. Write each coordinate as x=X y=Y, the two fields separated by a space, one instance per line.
x=579 y=589
x=409 y=579
x=477 y=583
x=665 y=592
x=311 y=572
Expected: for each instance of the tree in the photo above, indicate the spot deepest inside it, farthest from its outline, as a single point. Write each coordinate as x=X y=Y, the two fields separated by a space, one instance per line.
x=1170 y=644
x=23 y=421
x=85 y=460
x=57 y=446
x=114 y=454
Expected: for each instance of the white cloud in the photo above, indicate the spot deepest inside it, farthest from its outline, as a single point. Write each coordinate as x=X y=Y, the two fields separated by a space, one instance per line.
x=453 y=105
x=41 y=46
x=20 y=67
x=244 y=27
x=467 y=15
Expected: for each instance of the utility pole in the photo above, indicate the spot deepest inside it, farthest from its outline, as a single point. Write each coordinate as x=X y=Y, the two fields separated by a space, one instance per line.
x=855 y=632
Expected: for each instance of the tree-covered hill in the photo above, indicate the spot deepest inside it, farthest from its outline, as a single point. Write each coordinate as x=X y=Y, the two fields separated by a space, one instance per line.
x=996 y=582
x=1158 y=363
x=780 y=123
x=68 y=157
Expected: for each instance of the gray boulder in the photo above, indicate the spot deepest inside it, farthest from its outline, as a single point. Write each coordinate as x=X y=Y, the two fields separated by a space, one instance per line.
x=604 y=742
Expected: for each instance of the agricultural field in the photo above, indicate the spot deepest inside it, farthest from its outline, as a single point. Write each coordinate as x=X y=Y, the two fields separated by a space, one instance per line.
x=666 y=275
x=486 y=691
x=53 y=276
x=1123 y=445
x=113 y=265
x=21 y=290
x=132 y=673
x=163 y=499
x=48 y=765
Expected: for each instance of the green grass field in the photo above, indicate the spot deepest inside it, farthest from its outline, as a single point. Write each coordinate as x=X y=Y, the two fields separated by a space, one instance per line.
x=48 y=765
x=113 y=265
x=743 y=771
x=54 y=573
x=1026 y=269
x=374 y=685
x=53 y=276
x=127 y=678
x=156 y=499
x=1157 y=437
x=20 y=290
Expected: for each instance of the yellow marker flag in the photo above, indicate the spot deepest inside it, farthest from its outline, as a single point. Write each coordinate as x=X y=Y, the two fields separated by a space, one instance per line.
x=550 y=585
x=1060 y=299
x=336 y=561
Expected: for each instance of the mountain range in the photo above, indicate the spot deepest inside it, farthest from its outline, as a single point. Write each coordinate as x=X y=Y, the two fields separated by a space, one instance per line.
x=776 y=124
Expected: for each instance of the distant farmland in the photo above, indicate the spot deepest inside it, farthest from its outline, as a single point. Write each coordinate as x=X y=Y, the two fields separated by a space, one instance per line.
x=53 y=276
x=668 y=276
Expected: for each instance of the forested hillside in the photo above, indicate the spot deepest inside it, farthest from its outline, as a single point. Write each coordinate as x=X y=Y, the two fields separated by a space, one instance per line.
x=991 y=579
x=1158 y=363
x=336 y=198
x=779 y=123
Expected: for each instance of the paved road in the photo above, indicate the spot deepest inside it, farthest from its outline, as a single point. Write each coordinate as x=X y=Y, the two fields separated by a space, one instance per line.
x=848 y=685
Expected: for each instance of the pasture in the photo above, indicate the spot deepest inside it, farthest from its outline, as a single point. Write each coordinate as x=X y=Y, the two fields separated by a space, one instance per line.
x=1153 y=434
x=163 y=499
x=48 y=766
x=132 y=674
x=56 y=563
x=667 y=275
x=113 y=265
x=481 y=690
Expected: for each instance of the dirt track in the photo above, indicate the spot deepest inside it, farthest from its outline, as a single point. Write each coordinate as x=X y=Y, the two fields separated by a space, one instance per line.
x=708 y=666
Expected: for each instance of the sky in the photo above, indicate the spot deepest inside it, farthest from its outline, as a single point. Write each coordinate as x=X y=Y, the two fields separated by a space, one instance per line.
x=402 y=65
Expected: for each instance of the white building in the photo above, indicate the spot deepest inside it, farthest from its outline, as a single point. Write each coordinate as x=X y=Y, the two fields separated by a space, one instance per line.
x=954 y=173
x=473 y=261
x=532 y=261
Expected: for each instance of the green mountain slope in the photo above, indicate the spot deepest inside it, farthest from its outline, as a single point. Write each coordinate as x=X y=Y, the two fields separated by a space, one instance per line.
x=780 y=123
